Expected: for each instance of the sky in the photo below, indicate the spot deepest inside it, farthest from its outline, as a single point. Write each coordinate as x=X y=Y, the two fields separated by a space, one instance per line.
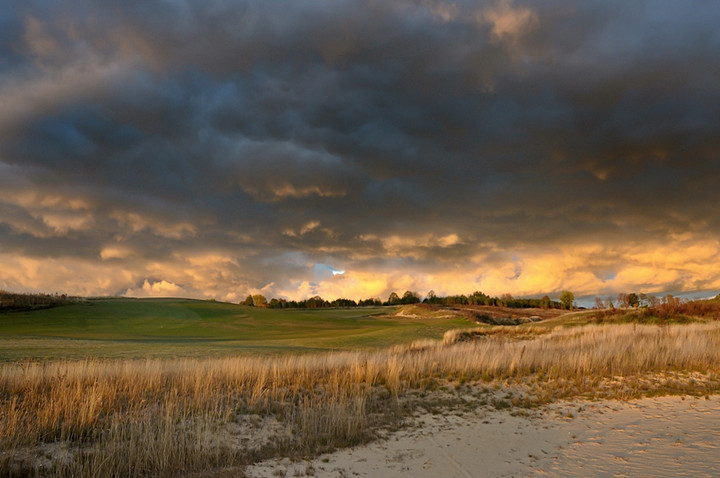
x=214 y=149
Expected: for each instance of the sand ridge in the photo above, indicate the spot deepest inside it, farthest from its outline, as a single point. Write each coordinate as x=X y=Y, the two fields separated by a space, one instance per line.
x=663 y=436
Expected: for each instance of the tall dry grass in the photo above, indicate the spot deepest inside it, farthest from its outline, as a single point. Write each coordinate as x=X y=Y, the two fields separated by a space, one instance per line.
x=165 y=417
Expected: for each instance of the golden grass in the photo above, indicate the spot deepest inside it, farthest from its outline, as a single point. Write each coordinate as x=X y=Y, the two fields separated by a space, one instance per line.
x=164 y=417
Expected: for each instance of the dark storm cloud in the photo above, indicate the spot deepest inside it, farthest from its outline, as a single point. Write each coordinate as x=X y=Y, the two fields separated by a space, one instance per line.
x=347 y=131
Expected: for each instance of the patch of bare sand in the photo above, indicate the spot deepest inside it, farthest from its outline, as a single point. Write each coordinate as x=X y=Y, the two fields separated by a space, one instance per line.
x=665 y=436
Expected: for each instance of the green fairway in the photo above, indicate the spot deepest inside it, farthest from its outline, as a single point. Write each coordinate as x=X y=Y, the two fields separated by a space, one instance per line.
x=183 y=327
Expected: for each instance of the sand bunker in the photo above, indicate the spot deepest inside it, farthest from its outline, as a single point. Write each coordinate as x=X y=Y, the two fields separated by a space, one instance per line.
x=666 y=436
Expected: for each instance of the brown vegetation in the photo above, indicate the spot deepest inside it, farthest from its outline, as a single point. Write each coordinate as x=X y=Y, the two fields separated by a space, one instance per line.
x=496 y=314
x=668 y=310
x=163 y=417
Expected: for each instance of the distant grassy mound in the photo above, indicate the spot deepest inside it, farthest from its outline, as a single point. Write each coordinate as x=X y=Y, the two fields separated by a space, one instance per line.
x=122 y=327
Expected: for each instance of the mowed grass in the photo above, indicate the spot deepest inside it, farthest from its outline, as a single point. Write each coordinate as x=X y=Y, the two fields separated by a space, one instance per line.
x=141 y=328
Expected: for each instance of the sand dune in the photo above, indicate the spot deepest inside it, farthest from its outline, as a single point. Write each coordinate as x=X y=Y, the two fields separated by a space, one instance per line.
x=666 y=436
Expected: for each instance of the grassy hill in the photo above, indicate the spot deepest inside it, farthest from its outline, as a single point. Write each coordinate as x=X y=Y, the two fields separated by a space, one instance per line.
x=122 y=327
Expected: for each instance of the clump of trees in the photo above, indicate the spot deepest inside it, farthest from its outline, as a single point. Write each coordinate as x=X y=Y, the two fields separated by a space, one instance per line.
x=633 y=300
x=256 y=300
x=567 y=299
x=10 y=301
x=408 y=297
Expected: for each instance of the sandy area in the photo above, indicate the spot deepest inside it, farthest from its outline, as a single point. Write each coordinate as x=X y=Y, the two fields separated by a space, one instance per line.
x=667 y=436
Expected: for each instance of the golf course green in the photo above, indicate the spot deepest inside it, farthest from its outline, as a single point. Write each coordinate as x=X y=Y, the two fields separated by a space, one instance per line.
x=146 y=328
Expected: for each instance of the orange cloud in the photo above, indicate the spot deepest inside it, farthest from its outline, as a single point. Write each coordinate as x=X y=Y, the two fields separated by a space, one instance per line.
x=508 y=23
x=681 y=264
x=585 y=269
x=171 y=230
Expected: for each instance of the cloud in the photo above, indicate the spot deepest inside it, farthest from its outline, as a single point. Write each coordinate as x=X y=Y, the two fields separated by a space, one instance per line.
x=158 y=289
x=506 y=146
x=508 y=23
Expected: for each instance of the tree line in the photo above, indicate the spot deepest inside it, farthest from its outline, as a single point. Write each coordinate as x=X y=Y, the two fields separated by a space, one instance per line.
x=567 y=300
x=664 y=308
x=10 y=301
x=409 y=297
x=633 y=299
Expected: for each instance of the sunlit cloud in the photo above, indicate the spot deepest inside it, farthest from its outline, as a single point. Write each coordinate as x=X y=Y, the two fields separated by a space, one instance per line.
x=115 y=252
x=136 y=222
x=158 y=289
x=289 y=191
x=508 y=22
x=60 y=275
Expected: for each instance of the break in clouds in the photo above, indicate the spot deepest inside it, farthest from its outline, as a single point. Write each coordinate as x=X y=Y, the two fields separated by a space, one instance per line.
x=217 y=148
